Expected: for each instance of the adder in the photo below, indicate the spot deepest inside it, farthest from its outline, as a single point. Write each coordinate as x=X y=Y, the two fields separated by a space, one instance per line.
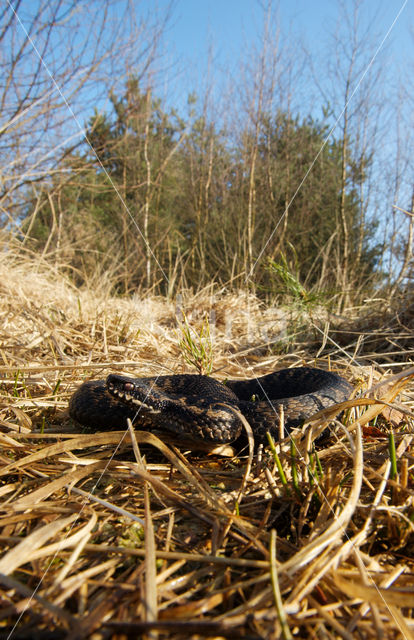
x=204 y=409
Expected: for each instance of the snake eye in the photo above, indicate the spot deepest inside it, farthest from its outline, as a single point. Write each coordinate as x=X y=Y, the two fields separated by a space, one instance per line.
x=128 y=386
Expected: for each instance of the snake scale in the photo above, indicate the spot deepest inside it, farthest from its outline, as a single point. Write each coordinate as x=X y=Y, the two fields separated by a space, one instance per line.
x=202 y=408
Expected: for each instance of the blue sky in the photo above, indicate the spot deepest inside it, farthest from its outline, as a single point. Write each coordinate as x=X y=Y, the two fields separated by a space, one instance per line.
x=228 y=26
x=229 y=23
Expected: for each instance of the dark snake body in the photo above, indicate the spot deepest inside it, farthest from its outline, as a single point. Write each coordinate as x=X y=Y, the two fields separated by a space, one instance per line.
x=202 y=408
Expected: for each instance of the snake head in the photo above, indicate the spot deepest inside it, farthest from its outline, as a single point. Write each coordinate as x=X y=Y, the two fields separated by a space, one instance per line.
x=139 y=393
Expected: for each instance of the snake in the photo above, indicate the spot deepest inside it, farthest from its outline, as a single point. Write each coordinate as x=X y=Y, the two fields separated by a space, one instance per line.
x=201 y=408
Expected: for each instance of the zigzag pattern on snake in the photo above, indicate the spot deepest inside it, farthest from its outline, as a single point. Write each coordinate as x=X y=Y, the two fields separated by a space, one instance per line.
x=202 y=408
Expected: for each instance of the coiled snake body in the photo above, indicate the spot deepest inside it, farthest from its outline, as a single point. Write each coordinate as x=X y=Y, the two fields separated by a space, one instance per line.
x=202 y=408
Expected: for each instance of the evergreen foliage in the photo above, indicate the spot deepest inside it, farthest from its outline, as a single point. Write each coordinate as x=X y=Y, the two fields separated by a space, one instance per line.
x=181 y=197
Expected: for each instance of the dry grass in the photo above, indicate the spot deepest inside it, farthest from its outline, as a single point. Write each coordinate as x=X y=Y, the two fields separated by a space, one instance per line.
x=120 y=534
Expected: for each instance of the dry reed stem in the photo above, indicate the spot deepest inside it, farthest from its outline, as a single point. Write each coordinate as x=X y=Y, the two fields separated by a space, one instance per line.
x=120 y=534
